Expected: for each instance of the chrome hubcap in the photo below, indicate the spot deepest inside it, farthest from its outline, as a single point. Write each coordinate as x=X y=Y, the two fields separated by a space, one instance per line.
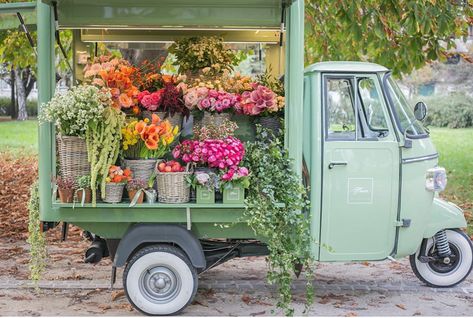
x=160 y=284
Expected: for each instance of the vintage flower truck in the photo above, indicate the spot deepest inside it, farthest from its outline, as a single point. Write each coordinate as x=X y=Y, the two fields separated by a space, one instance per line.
x=368 y=161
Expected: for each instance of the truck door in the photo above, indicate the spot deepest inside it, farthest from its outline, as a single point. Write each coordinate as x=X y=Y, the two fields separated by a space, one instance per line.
x=360 y=170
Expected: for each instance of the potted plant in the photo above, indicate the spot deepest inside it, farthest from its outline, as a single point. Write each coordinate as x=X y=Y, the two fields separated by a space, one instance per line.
x=83 y=192
x=73 y=112
x=194 y=54
x=144 y=143
x=115 y=183
x=151 y=194
x=205 y=184
x=66 y=187
x=172 y=182
x=136 y=188
x=233 y=183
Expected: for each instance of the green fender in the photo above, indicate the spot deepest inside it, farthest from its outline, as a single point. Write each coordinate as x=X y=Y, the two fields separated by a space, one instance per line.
x=445 y=215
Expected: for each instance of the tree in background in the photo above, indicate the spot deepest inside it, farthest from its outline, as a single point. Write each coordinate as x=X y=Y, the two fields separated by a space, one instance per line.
x=403 y=35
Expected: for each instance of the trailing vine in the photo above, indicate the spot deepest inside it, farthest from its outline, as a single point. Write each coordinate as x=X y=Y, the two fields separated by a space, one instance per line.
x=103 y=145
x=286 y=229
x=36 y=237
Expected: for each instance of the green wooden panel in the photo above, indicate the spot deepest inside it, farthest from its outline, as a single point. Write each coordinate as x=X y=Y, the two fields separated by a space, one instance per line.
x=171 y=13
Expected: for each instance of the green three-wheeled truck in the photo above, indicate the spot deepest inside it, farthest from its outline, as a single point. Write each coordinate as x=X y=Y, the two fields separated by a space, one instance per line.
x=370 y=164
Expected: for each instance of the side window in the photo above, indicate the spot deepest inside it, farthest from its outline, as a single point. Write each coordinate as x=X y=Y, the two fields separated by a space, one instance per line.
x=372 y=108
x=340 y=114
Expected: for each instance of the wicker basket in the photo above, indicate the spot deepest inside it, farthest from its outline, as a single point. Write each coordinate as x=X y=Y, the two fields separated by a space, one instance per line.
x=175 y=120
x=272 y=123
x=73 y=160
x=113 y=192
x=173 y=187
x=216 y=119
x=141 y=168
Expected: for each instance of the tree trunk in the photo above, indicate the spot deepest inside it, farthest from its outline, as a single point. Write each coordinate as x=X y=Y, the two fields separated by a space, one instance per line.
x=21 y=94
x=12 y=97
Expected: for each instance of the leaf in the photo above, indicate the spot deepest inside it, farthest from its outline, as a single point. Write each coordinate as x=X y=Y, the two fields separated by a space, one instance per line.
x=117 y=294
x=401 y=306
x=259 y=313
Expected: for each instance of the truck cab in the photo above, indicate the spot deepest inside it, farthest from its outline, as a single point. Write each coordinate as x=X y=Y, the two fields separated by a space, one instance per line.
x=371 y=163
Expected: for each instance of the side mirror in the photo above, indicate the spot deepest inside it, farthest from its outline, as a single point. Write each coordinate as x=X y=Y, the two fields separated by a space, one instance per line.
x=420 y=111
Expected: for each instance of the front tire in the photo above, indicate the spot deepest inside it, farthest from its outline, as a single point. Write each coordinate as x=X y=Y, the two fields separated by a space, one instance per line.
x=439 y=274
x=160 y=280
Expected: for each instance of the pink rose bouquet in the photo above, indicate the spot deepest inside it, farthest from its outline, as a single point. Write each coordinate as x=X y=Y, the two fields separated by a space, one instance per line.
x=260 y=99
x=218 y=101
x=235 y=176
x=151 y=101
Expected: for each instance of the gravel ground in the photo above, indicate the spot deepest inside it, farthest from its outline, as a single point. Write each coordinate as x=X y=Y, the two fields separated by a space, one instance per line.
x=237 y=288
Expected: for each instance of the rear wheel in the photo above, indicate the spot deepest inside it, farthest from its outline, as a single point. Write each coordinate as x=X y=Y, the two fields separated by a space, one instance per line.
x=444 y=271
x=160 y=280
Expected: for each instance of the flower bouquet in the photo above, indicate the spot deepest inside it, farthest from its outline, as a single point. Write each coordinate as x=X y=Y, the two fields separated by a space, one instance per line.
x=136 y=190
x=205 y=184
x=234 y=181
x=115 y=182
x=66 y=187
x=144 y=142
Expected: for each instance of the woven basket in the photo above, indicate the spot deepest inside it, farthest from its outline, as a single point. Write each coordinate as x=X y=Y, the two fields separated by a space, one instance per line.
x=73 y=158
x=175 y=120
x=141 y=168
x=113 y=192
x=216 y=119
x=173 y=187
x=272 y=123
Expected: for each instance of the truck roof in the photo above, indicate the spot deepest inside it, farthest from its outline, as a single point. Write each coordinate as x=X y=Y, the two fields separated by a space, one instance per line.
x=345 y=66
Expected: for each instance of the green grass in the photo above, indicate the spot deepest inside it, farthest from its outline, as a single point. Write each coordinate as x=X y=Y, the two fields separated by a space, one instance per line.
x=19 y=137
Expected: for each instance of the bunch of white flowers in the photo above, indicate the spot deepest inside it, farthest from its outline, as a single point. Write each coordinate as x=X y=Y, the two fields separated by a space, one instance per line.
x=74 y=111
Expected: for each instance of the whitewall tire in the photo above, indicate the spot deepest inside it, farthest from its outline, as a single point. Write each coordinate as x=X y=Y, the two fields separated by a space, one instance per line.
x=440 y=274
x=160 y=280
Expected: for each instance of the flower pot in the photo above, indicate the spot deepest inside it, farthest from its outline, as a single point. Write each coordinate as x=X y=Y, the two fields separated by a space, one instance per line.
x=113 y=192
x=66 y=195
x=272 y=123
x=234 y=195
x=173 y=187
x=204 y=195
x=215 y=118
x=151 y=195
x=175 y=120
x=86 y=193
x=141 y=196
x=73 y=159
x=141 y=168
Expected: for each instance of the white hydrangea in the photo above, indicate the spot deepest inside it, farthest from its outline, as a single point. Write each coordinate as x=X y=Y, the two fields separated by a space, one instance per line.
x=73 y=111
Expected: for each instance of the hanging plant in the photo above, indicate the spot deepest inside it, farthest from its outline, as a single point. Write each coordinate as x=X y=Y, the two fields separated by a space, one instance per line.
x=286 y=229
x=103 y=145
x=36 y=237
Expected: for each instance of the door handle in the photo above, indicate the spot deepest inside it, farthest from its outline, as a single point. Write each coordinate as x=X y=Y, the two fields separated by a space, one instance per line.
x=335 y=164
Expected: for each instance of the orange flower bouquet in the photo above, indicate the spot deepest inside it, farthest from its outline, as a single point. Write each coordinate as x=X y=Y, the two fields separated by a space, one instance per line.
x=115 y=183
x=147 y=139
x=116 y=75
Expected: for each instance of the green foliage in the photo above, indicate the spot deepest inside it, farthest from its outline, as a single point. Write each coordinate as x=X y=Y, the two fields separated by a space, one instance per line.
x=286 y=229
x=103 y=146
x=36 y=237
x=402 y=35
x=13 y=43
x=453 y=111
x=196 y=53
x=83 y=182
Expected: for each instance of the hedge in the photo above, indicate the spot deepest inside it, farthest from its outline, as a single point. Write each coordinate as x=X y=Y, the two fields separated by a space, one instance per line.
x=453 y=111
x=31 y=107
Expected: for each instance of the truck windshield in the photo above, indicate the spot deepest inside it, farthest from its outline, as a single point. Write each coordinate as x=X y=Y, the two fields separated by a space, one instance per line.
x=405 y=118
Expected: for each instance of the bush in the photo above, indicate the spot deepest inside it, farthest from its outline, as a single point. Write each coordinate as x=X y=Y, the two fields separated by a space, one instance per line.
x=453 y=111
x=31 y=107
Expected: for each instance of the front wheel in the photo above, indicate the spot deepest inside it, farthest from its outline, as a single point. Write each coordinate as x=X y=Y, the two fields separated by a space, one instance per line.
x=444 y=272
x=160 y=280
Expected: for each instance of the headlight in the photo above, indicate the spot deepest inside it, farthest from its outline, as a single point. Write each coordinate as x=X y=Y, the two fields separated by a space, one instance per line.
x=436 y=179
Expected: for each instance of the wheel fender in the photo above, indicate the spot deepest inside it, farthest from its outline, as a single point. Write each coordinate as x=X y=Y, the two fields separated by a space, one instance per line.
x=160 y=233
x=445 y=215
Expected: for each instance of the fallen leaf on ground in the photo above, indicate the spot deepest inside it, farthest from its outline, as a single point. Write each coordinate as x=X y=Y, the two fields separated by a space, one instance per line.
x=104 y=307
x=351 y=314
x=117 y=294
x=196 y=302
x=246 y=299
x=401 y=306
x=258 y=313
x=417 y=313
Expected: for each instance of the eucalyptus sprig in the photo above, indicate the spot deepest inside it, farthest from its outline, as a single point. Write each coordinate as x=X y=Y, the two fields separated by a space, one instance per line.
x=286 y=228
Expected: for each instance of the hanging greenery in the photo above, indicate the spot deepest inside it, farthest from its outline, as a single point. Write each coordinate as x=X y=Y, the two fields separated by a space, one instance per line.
x=286 y=229
x=103 y=145
x=36 y=237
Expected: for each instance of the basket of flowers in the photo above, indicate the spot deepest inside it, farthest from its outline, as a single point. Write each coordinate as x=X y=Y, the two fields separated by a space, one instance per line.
x=171 y=180
x=115 y=183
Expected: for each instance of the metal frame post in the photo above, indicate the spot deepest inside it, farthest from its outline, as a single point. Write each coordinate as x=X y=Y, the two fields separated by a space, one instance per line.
x=294 y=83
x=46 y=87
